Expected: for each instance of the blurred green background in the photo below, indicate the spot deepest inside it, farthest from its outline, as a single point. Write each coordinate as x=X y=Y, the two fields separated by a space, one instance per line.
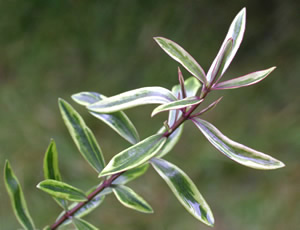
x=52 y=49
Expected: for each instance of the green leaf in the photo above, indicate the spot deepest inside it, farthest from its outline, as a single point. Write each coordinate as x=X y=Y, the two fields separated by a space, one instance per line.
x=118 y=121
x=130 y=199
x=51 y=170
x=47 y=227
x=131 y=174
x=191 y=86
x=180 y=55
x=246 y=80
x=221 y=60
x=180 y=104
x=83 y=225
x=236 y=33
x=62 y=190
x=184 y=189
x=236 y=151
x=133 y=98
x=88 y=207
x=171 y=141
x=17 y=199
x=82 y=136
x=134 y=156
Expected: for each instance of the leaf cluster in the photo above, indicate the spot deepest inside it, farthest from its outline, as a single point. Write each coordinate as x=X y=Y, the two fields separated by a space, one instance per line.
x=182 y=104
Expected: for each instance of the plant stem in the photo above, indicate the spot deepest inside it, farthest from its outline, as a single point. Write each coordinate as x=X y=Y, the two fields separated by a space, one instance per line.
x=107 y=183
x=68 y=214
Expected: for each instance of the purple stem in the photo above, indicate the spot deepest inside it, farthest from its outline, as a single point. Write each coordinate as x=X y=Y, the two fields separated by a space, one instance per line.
x=107 y=183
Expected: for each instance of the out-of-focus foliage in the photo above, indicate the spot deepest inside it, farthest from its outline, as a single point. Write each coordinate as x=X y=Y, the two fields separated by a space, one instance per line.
x=56 y=48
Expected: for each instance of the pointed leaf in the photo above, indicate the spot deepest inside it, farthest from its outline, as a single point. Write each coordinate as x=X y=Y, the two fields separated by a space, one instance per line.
x=17 y=199
x=82 y=136
x=133 y=98
x=191 y=86
x=62 y=190
x=184 y=189
x=83 y=225
x=236 y=33
x=176 y=52
x=171 y=141
x=131 y=174
x=135 y=155
x=118 y=121
x=208 y=108
x=51 y=170
x=221 y=60
x=88 y=207
x=181 y=83
x=246 y=80
x=130 y=199
x=179 y=104
x=235 y=151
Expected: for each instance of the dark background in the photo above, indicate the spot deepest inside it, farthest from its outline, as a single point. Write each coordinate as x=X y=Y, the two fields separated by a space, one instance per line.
x=52 y=49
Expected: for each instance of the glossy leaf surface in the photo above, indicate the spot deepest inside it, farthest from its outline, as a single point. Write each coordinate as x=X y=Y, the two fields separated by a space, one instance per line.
x=130 y=199
x=51 y=170
x=236 y=151
x=118 y=121
x=236 y=33
x=246 y=80
x=176 y=52
x=221 y=60
x=179 y=104
x=62 y=190
x=82 y=136
x=135 y=155
x=171 y=141
x=133 y=98
x=184 y=189
x=83 y=225
x=131 y=174
x=17 y=199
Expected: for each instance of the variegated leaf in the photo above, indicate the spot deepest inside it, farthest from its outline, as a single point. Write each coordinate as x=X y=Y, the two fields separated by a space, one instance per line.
x=246 y=80
x=176 y=52
x=130 y=199
x=133 y=98
x=236 y=33
x=221 y=60
x=131 y=174
x=62 y=190
x=17 y=199
x=118 y=121
x=51 y=170
x=134 y=156
x=184 y=189
x=179 y=104
x=236 y=151
x=82 y=136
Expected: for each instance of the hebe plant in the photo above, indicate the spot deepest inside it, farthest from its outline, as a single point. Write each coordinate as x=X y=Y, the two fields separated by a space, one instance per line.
x=181 y=103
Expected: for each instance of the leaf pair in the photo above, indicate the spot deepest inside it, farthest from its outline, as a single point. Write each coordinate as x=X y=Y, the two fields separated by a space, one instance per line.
x=222 y=61
x=118 y=121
